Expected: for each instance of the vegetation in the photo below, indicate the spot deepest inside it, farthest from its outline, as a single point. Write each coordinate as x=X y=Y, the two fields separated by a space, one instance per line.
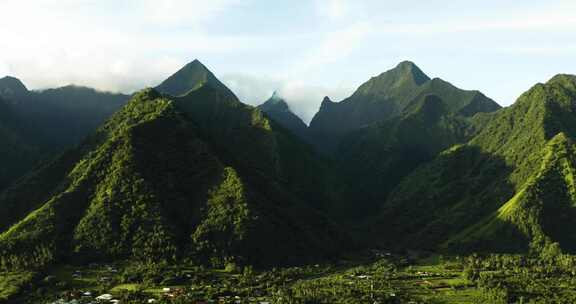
x=148 y=186
x=192 y=76
x=188 y=195
x=390 y=95
x=37 y=125
x=508 y=189
x=279 y=111
x=391 y=125
x=17 y=153
x=378 y=276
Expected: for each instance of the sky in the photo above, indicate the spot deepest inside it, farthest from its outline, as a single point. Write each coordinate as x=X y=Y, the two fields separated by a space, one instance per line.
x=303 y=49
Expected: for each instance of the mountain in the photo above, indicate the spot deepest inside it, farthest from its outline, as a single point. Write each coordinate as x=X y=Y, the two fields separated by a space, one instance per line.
x=373 y=160
x=420 y=117
x=201 y=176
x=62 y=117
x=186 y=170
x=36 y=125
x=12 y=89
x=507 y=189
x=17 y=154
x=388 y=96
x=57 y=118
x=190 y=77
x=279 y=111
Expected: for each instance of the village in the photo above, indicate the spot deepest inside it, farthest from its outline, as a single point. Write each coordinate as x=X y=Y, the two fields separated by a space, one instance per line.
x=377 y=277
x=374 y=277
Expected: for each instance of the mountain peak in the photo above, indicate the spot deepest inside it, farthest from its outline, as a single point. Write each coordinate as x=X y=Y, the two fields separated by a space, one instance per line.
x=411 y=69
x=327 y=100
x=278 y=110
x=405 y=76
x=189 y=78
x=406 y=64
x=275 y=103
x=561 y=84
x=196 y=65
x=564 y=80
x=11 y=87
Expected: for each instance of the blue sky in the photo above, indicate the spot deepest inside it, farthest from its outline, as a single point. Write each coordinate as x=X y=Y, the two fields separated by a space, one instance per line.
x=304 y=49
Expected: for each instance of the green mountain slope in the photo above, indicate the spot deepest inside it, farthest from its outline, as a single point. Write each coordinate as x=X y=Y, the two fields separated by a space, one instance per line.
x=190 y=77
x=381 y=98
x=165 y=179
x=249 y=139
x=388 y=96
x=277 y=109
x=374 y=159
x=61 y=117
x=538 y=216
x=36 y=125
x=499 y=168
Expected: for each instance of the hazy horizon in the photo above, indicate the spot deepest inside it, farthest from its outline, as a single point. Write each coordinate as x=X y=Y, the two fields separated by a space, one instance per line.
x=306 y=50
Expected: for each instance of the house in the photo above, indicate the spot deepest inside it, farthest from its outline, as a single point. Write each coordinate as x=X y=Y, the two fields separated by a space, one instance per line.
x=104 y=297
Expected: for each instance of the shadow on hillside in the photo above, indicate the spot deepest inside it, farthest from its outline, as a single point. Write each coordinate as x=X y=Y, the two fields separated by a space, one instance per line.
x=558 y=216
x=443 y=198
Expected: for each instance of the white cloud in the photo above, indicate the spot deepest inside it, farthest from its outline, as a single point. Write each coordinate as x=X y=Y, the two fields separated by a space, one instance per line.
x=303 y=98
x=333 y=9
x=545 y=50
x=333 y=47
x=560 y=18
x=124 y=45
x=111 y=45
x=175 y=12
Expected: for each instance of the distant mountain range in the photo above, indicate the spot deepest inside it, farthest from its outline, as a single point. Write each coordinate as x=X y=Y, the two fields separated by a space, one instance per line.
x=40 y=124
x=188 y=170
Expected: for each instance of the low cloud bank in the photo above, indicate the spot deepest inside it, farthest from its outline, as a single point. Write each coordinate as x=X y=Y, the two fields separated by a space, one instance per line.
x=304 y=99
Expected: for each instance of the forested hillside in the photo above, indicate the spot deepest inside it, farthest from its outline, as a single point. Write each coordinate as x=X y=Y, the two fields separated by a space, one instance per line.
x=508 y=189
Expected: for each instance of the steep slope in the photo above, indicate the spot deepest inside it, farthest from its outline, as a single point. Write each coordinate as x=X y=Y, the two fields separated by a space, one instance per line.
x=537 y=217
x=374 y=160
x=382 y=97
x=203 y=176
x=190 y=77
x=468 y=183
x=457 y=101
x=36 y=125
x=61 y=117
x=17 y=155
x=388 y=96
x=245 y=137
x=249 y=139
x=277 y=109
